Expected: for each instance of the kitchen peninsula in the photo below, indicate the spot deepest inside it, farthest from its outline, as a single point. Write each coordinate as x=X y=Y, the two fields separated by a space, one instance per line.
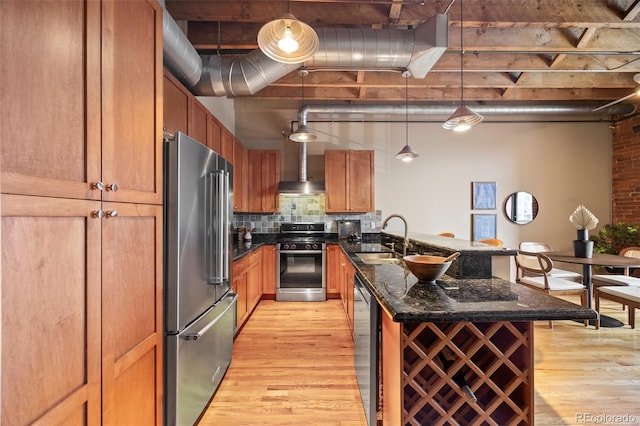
x=484 y=325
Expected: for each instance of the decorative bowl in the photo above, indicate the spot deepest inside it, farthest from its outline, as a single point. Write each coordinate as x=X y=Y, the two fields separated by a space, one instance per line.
x=426 y=268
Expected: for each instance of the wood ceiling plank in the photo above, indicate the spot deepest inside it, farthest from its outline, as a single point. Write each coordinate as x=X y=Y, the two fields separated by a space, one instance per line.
x=500 y=13
x=543 y=40
x=504 y=61
x=471 y=79
x=560 y=50
x=584 y=39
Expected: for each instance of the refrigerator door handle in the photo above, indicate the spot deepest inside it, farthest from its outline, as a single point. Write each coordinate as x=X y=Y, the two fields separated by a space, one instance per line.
x=203 y=330
x=225 y=220
x=215 y=212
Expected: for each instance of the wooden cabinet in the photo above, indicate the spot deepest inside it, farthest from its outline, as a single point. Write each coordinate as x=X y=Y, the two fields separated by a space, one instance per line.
x=333 y=270
x=341 y=280
x=81 y=285
x=176 y=100
x=226 y=144
x=349 y=280
x=254 y=281
x=264 y=175
x=198 y=125
x=214 y=133
x=51 y=304
x=240 y=287
x=240 y=181
x=349 y=181
x=269 y=271
x=132 y=323
x=247 y=283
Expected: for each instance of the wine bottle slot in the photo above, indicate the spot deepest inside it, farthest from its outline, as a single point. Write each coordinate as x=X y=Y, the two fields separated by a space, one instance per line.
x=447 y=358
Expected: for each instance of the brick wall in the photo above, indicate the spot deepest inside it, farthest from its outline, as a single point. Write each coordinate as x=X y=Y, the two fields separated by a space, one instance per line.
x=625 y=188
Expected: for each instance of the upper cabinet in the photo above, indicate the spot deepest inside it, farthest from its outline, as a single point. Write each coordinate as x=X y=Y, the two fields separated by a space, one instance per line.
x=51 y=137
x=131 y=114
x=198 y=125
x=176 y=100
x=214 y=133
x=264 y=175
x=349 y=181
x=226 y=144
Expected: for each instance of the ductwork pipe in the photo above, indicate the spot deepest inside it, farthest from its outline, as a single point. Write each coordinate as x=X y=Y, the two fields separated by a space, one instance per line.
x=179 y=56
x=558 y=110
x=416 y=50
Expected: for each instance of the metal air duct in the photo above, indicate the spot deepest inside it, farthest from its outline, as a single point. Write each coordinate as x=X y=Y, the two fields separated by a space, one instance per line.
x=417 y=50
x=557 y=110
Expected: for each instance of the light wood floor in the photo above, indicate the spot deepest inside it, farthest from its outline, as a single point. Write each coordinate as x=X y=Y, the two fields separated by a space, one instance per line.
x=292 y=364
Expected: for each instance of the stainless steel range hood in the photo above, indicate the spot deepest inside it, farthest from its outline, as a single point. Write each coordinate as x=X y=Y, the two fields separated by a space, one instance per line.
x=302 y=185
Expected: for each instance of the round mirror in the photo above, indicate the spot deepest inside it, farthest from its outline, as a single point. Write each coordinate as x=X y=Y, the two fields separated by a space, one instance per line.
x=521 y=207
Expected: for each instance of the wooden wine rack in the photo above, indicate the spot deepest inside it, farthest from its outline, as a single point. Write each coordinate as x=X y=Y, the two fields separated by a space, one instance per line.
x=496 y=359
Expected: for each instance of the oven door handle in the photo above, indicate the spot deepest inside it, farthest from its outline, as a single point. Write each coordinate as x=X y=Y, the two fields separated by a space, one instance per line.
x=302 y=251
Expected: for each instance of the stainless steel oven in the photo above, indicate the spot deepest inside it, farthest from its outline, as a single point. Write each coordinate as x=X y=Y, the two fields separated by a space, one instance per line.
x=301 y=263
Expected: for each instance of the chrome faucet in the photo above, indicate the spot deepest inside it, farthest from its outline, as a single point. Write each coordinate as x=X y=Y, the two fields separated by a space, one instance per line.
x=405 y=243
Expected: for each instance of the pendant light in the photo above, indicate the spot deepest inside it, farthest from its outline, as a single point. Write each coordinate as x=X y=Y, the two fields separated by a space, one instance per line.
x=462 y=118
x=302 y=133
x=406 y=154
x=288 y=40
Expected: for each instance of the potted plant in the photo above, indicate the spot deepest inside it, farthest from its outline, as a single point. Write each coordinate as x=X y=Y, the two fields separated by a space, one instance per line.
x=613 y=237
x=584 y=221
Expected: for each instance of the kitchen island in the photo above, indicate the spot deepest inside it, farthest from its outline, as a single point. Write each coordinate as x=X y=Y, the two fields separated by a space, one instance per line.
x=435 y=336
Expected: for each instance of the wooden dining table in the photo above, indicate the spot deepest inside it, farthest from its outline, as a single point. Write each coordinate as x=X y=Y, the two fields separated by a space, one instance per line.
x=597 y=259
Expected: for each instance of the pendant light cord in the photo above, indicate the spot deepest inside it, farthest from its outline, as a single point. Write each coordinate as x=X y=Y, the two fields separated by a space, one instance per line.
x=406 y=108
x=461 y=58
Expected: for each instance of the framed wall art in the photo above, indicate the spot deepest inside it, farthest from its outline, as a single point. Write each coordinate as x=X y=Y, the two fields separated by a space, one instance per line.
x=483 y=195
x=483 y=226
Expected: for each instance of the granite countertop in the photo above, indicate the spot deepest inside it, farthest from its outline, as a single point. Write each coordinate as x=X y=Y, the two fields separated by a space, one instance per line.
x=449 y=299
x=451 y=245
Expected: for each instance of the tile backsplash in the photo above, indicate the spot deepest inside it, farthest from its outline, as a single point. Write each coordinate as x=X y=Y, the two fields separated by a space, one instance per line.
x=304 y=208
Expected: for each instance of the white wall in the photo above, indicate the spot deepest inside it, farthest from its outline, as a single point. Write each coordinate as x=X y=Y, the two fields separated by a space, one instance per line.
x=222 y=108
x=563 y=164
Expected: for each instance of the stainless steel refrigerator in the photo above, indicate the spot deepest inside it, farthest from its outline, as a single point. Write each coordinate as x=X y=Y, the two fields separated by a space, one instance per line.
x=200 y=310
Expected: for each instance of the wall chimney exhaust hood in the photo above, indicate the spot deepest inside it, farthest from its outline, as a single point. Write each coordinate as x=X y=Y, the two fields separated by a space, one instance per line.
x=302 y=185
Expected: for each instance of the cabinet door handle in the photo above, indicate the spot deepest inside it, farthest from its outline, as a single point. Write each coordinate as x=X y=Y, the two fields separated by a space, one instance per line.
x=112 y=187
x=112 y=213
x=98 y=185
x=98 y=214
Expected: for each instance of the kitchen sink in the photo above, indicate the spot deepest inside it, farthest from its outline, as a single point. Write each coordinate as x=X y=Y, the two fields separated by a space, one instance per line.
x=379 y=258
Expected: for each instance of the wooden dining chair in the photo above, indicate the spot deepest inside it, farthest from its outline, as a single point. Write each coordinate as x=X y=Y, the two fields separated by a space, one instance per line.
x=492 y=241
x=537 y=266
x=624 y=279
x=540 y=247
x=447 y=234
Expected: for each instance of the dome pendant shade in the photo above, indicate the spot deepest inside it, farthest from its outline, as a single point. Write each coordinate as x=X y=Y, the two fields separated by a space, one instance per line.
x=462 y=119
x=406 y=154
x=288 y=40
x=303 y=134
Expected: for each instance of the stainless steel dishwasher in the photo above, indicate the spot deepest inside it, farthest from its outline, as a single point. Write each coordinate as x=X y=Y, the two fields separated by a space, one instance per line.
x=366 y=337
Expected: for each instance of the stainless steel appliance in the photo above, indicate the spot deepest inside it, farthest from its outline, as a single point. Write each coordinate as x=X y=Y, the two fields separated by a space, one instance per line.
x=200 y=310
x=301 y=262
x=366 y=347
